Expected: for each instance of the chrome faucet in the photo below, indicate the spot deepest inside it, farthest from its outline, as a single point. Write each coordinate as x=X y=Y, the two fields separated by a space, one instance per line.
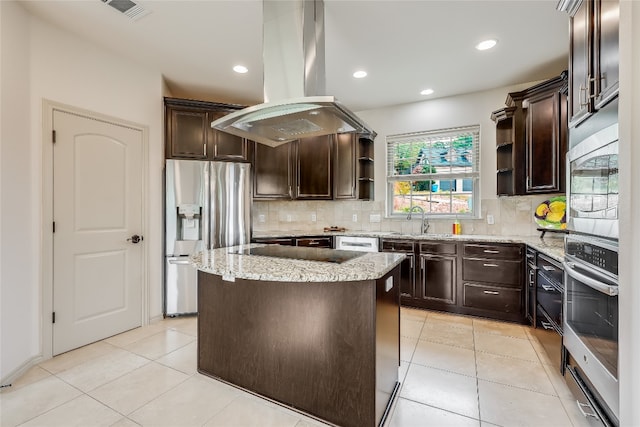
x=424 y=222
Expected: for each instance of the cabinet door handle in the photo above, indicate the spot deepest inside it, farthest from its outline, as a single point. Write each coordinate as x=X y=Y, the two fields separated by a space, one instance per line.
x=204 y=149
x=489 y=251
x=490 y=265
x=491 y=292
x=290 y=194
x=548 y=288
x=548 y=268
x=583 y=88
x=314 y=243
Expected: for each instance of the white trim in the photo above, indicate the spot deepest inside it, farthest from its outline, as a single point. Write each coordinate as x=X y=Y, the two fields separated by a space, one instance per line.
x=21 y=370
x=46 y=286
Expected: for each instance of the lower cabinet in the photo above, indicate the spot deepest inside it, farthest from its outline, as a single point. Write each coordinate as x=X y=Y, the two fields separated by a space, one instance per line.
x=483 y=279
x=493 y=280
x=439 y=272
x=408 y=291
x=309 y=241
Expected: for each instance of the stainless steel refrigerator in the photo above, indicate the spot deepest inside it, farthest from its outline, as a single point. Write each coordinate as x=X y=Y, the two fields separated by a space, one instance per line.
x=208 y=206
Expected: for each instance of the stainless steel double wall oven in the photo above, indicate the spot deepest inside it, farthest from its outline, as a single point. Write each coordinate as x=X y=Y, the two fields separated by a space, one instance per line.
x=590 y=304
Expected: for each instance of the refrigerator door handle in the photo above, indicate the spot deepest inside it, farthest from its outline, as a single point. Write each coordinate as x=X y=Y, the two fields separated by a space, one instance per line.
x=206 y=213
x=179 y=261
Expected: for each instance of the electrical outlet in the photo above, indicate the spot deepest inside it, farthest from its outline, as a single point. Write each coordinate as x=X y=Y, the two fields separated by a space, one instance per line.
x=354 y=218
x=490 y=219
x=375 y=218
x=288 y=218
x=314 y=218
x=261 y=218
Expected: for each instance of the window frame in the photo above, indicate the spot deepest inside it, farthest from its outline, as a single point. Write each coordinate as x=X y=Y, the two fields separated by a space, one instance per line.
x=432 y=135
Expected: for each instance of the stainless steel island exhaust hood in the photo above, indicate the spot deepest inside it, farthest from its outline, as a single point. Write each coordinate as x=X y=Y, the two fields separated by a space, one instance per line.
x=294 y=81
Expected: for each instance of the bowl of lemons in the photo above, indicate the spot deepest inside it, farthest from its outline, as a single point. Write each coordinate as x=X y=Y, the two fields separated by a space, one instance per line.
x=552 y=213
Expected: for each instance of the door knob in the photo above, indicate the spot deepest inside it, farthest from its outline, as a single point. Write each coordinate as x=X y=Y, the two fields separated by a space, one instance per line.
x=135 y=238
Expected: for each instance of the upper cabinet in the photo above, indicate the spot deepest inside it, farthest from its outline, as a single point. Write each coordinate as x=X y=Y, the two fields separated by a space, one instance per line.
x=296 y=170
x=531 y=139
x=593 y=55
x=330 y=167
x=189 y=134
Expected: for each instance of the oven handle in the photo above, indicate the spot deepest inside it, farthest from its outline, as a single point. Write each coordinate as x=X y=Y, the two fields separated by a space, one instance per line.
x=610 y=290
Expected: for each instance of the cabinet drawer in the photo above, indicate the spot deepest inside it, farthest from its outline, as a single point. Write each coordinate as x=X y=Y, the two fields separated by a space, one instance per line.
x=479 y=250
x=274 y=241
x=506 y=300
x=397 y=246
x=448 y=248
x=491 y=270
x=550 y=269
x=317 y=242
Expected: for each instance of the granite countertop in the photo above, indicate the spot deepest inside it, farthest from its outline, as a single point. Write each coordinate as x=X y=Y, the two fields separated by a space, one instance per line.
x=552 y=246
x=369 y=266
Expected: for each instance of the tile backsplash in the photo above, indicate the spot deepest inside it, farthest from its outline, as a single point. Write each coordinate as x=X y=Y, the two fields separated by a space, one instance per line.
x=513 y=216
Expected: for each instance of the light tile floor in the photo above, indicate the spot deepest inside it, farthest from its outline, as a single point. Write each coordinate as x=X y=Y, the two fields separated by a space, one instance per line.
x=455 y=370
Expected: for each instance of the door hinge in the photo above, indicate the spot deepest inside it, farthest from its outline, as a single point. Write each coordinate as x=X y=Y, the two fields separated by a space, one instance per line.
x=53 y=136
x=53 y=317
x=54 y=226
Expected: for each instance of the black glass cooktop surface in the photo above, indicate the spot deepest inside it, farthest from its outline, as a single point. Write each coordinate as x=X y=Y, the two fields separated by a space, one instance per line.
x=297 y=252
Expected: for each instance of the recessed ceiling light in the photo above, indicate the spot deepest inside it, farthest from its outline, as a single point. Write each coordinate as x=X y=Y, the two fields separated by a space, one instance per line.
x=426 y=92
x=486 y=44
x=360 y=74
x=240 y=69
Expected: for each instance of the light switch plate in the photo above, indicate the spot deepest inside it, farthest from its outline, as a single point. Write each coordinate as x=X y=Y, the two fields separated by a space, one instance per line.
x=354 y=217
x=261 y=218
x=490 y=219
x=314 y=218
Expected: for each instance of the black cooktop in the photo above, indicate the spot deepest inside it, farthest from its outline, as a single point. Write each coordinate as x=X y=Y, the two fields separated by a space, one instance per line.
x=299 y=252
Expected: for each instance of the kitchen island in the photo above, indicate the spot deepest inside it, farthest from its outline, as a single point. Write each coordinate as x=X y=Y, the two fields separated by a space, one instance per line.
x=321 y=337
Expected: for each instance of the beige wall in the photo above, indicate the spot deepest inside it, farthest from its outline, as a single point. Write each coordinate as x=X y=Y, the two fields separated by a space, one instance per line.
x=462 y=110
x=517 y=210
x=19 y=226
x=41 y=62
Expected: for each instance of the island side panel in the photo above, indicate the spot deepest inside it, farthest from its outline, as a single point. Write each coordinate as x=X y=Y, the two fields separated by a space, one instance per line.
x=309 y=345
x=387 y=338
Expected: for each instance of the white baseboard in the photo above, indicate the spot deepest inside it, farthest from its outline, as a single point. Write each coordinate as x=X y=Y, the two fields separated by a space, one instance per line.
x=21 y=370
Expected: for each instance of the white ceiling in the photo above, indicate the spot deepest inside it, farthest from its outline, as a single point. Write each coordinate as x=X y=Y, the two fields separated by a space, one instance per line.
x=405 y=46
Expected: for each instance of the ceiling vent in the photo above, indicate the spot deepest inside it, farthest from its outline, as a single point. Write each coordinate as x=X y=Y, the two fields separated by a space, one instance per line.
x=128 y=8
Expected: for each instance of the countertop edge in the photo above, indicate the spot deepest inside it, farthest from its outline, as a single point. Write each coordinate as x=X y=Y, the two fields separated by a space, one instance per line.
x=231 y=266
x=550 y=246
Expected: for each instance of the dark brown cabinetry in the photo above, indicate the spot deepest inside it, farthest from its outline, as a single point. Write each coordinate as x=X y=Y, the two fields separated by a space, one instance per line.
x=322 y=168
x=593 y=55
x=531 y=139
x=309 y=241
x=408 y=291
x=296 y=170
x=272 y=172
x=365 y=168
x=484 y=279
x=345 y=166
x=492 y=279
x=314 y=242
x=438 y=272
x=188 y=132
x=313 y=168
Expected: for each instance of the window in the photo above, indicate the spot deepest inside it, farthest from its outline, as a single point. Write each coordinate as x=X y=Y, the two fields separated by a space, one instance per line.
x=436 y=170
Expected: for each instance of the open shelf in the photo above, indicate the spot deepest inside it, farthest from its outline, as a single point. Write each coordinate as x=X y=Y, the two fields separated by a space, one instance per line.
x=365 y=168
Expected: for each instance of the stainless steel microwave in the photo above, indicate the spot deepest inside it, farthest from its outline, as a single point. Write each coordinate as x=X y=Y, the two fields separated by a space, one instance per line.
x=592 y=172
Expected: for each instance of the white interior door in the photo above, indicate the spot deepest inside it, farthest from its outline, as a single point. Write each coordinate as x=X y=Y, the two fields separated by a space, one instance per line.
x=97 y=208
